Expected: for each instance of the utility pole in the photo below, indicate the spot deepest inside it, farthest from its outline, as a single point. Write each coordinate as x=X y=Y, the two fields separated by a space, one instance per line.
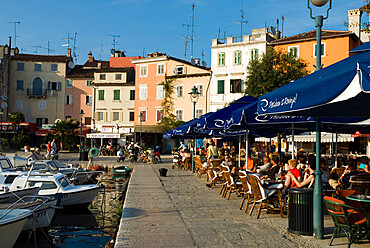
x=15 y=31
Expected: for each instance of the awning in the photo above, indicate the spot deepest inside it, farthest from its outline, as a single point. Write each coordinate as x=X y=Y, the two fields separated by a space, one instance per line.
x=103 y=135
x=43 y=132
x=325 y=138
x=85 y=130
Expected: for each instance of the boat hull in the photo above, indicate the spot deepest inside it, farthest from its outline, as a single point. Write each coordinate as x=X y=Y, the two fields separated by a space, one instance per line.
x=11 y=228
x=42 y=217
x=13 y=196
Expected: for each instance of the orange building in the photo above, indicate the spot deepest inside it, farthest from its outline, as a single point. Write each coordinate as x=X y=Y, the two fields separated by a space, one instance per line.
x=335 y=46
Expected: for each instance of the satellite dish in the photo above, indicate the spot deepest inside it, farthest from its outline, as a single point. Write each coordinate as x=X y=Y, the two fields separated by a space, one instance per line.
x=192 y=61
x=273 y=30
x=71 y=65
x=57 y=120
x=204 y=64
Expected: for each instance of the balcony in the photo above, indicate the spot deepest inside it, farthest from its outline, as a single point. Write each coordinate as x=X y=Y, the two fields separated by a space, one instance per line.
x=37 y=93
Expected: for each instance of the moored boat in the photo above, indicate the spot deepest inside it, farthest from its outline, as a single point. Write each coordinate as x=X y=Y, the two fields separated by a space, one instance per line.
x=121 y=171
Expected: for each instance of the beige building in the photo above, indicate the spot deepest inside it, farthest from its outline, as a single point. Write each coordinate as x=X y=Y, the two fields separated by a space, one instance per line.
x=37 y=86
x=114 y=103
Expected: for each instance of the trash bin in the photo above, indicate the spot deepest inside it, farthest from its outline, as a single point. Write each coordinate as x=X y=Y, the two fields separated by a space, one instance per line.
x=301 y=211
x=163 y=172
x=85 y=155
x=80 y=155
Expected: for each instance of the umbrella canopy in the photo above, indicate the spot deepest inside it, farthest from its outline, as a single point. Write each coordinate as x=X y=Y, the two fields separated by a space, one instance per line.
x=363 y=48
x=217 y=119
x=341 y=90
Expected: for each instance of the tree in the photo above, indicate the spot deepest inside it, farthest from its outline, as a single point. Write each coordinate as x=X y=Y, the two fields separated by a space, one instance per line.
x=169 y=120
x=273 y=70
x=65 y=131
x=366 y=9
x=16 y=118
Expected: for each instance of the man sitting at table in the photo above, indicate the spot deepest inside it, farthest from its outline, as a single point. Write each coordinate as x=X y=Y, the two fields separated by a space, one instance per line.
x=343 y=181
x=263 y=169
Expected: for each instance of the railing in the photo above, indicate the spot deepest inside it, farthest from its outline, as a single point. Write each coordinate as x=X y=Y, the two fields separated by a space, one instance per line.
x=37 y=93
x=237 y=39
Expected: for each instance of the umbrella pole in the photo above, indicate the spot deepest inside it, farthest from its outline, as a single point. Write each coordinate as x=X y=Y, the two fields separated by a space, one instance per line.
x=246 y=148
x=336 y=150
x=332 y=150
x=292 y=140
x=240 y=143
x=318 y=221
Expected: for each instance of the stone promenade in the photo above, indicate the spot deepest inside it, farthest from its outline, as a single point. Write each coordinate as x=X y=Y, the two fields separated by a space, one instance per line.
x=180 y=211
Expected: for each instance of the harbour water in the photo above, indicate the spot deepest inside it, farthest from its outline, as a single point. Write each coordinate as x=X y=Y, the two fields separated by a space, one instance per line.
x=94 y=226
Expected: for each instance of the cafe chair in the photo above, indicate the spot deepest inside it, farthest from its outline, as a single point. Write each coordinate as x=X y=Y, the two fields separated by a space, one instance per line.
x=247 y=190
x=213 y=177
x=199 y=167
x=353 y=221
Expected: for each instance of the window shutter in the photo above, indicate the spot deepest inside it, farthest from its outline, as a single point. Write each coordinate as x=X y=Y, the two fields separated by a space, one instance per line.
x=96 y=116
x=66 y=99
x=58 y=86
x=106 y=116
x=49 y=85
x=71 y=99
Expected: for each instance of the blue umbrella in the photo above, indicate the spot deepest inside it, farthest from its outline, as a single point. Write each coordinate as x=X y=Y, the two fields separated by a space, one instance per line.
x=339 y=90
x=363 y=48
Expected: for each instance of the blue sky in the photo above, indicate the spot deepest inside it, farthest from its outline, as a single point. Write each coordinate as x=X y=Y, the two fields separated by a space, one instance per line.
x=153 y=25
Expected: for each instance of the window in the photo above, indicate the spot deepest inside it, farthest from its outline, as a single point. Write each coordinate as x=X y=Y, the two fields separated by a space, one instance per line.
x=20 y=66
x=294 y=50
x=179 y=115
x=116 y=116
x=102 y=76
x=54 y=86
x=69 y=100
x=221 y=87
x=40 y=121
x=179 y=70
x=235 y=86
x=198 y=113
x=322 y=49
x=200 y=89
x=100 y=116
x=160 y=114
x=119 y=76
x=221 y=59
x=143 y=93
x=69 y=83
x=116 y=95
x=18 y=104
x=132 y=95
x=180 y=91
x=254 y=54
x=238 y=57
x=160 y=92
x=143 y=71
x=20 y=85
x=37 y=67
x=142 y=115
x=101 y=95
x=88 y=83
x=132 y=116
x=87 y=120
x=54 y=67
x=42 y=105
x=160 y=69
x=88 y=100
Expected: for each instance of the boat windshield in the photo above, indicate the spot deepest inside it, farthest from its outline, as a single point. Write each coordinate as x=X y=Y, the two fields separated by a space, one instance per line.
x=64 y=181
x=5 y=164
x=52 y=166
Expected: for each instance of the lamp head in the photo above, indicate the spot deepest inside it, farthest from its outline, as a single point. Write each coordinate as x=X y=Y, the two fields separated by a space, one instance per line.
x=319 y=3
x=82 y=112
x=194 y=94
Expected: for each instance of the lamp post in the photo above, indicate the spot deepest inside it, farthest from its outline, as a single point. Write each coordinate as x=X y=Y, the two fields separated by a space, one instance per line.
x=194 y=96
x=318 y=220
x=140 y=119
x=80 y=150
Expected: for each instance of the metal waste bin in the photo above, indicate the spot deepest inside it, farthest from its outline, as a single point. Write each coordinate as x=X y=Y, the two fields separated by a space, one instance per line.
x=301 y=211
x=163 y=172
x=85 y=155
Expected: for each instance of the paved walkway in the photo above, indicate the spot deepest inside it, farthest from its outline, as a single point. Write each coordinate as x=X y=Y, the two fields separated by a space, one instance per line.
x=180 y=211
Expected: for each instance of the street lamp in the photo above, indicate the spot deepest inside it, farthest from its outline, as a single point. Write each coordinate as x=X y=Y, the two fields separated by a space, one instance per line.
x=318 y=221
x=140 y=119
x=80 y=150
x=194 y=96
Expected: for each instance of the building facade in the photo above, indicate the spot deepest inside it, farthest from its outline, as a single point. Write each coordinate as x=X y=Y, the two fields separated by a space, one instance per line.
x=229 y=60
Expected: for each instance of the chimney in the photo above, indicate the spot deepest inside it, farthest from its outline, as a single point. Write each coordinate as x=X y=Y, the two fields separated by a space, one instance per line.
x=277 y=35
x=91 y=58
x=10 y=42
x=354 y=21
x=69 y=52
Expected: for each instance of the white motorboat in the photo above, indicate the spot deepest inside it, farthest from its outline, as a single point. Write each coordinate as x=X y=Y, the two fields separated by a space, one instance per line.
x=51 y=184
x=10 y=196
x=11 y=224
x=43 y=211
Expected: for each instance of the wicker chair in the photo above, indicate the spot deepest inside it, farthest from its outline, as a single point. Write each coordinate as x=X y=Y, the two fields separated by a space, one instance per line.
x=247 y=190
x=213 y=177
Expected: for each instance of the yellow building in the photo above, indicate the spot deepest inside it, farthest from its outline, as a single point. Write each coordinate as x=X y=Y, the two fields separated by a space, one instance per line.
x=37 y=86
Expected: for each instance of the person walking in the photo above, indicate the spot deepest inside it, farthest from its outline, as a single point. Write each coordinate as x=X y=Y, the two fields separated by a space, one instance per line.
x=213 y=151
x=48 y=150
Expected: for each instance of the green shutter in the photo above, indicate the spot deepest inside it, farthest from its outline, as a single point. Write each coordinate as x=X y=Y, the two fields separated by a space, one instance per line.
x=132 y=94
x=116 y=94
x=221 y=87
x=101 y=95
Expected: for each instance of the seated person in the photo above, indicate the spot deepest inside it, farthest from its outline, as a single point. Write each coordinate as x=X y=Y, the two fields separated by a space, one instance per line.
x=289 y=183
x=343 y=181
x=227 y=162
x=250 y=167
x=263 y=169
x=301 y=163
x=364 y=166
x=274 y=169
x=311 y=176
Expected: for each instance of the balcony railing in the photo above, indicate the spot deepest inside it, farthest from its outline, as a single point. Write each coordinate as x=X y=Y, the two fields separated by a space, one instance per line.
x=37 y=93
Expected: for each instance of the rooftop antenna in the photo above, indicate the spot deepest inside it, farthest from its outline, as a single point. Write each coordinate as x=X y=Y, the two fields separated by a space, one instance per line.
x=282 y=26
x=101 y=51
x=186 y=38
x=192 y=31
x=41 y=47
x=242 y=20
x=15 y=31
x=36 y=47
x=68 y=39
x=114 y=41
x=218 y=35
x=48 y=49
x=74 y=47
x=144 y=52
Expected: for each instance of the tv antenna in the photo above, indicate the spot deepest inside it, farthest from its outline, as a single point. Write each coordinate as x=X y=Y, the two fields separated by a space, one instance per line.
x=101 y=51
x=74 y=47
x=46 y=48
x=242 y=20
x=36 y=47
x=186 y=38
x=15 y=31
x=192 y=30
x=114 y=40
x=68 y=39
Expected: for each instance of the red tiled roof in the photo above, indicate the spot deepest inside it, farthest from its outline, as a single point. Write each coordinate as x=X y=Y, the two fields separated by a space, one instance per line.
x=311 y=35
x=95 y=63
x=41 y=58
x=80 y=72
